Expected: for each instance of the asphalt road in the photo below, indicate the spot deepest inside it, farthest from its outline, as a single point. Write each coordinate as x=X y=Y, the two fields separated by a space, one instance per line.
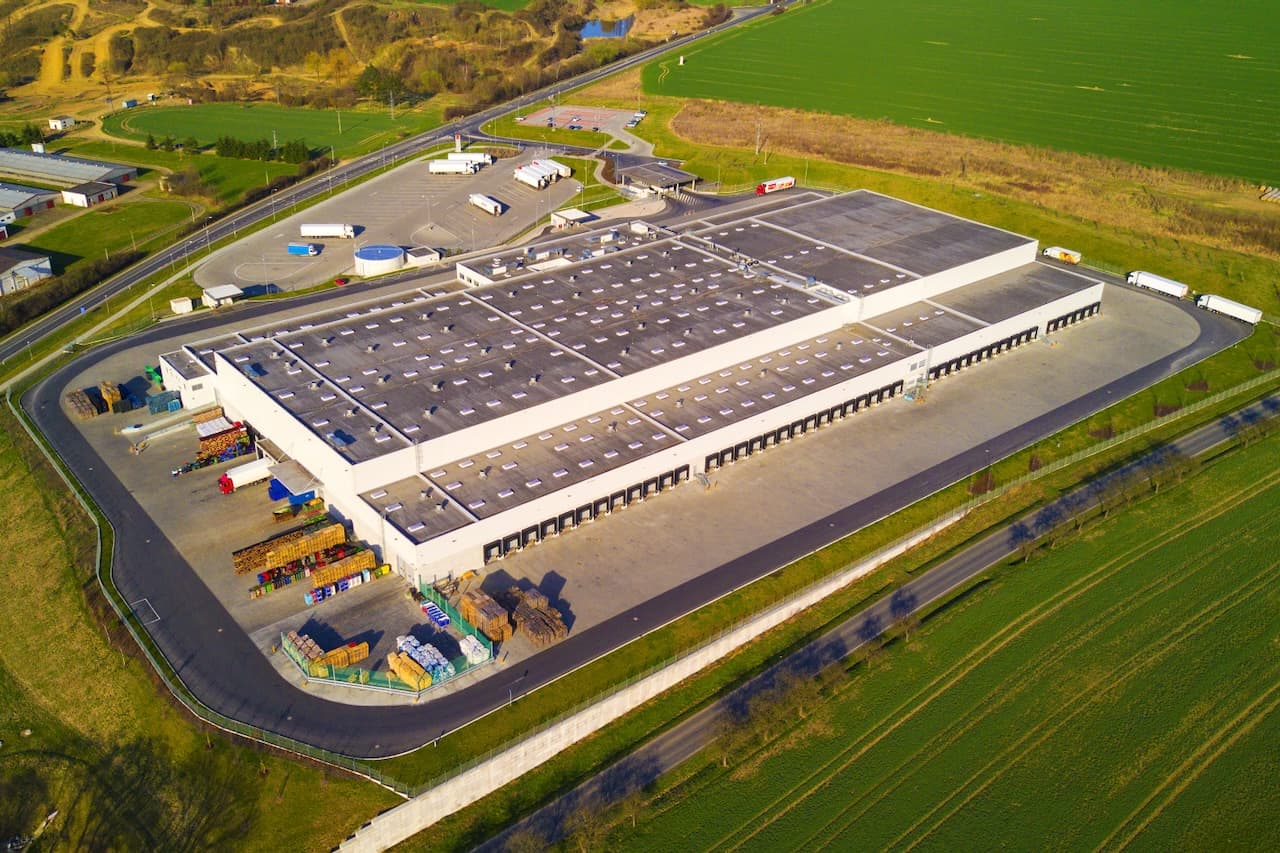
x=680 y=743
x=181 y=253
x=221 y=666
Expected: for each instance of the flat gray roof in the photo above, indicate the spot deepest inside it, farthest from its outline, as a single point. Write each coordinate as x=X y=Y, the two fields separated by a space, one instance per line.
x=16 y=195
x=657 y=175
x=185 y=365
x=91 y=187
x=1015 y=292
x=532 y=466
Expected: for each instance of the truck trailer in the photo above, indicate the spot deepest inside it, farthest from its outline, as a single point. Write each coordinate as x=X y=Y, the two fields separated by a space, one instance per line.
x=307 y=249
x=327 y=230
x=1158 y=283
x=1069 y=256
x=560 y=170
x=478 y=157
x=452 y=167
x=257 y=471
x=529 y=176
x=772 y=186
x=1231 y=308
x=489 y=205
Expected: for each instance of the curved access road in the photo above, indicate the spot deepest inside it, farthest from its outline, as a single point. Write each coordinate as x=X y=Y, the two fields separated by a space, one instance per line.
x=687 y=738
x=221 y=665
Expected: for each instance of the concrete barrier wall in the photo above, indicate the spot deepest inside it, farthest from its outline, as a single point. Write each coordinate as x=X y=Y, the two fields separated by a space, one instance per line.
x=403 y=821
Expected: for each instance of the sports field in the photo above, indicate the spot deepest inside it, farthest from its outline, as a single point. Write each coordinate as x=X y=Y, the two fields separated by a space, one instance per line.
x=1164 y=82
x=361 y=130
x=1121 y=690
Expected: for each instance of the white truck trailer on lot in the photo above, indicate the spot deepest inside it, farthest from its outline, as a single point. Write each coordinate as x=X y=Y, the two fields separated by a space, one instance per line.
x=1058 y=253
x=320 y=230
x=452 y=167
x=489 y=205
x=560 y=170
x=479 y=157
x=1230 y=307
x=249 y=473
x=1158 y=283
x=532 y=176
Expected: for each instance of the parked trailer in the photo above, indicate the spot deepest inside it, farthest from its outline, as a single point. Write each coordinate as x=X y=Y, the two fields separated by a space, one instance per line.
x=452 y=167
x=327 y=230
x=1058 y=253
x=491 y=206
x=560 y=170
x=1158 y=283
x=479 y=157
x=247 y=474
x=774 y=185
x=531 y=177
x=303 y=249
x=1230 y=307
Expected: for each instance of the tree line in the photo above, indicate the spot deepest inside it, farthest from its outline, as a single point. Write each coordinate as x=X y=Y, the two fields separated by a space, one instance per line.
x=293 y=151
x=24 y=135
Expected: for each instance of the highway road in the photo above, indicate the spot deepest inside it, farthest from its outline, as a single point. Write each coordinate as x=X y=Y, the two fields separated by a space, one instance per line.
x=188 y=248
x=683 y=741
x=221 y=665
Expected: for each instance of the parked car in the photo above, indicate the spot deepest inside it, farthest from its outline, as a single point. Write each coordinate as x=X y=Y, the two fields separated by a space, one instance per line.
x=341 y=281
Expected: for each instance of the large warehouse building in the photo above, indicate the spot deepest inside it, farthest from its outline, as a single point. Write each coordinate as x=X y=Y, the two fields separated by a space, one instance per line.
x=576 y=377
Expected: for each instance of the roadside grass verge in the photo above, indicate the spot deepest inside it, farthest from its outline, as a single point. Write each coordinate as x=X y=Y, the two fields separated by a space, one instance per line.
x=507 y=126
x=109 y=764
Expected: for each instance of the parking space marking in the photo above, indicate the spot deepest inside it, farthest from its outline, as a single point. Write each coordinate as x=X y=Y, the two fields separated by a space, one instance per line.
x=137 y=611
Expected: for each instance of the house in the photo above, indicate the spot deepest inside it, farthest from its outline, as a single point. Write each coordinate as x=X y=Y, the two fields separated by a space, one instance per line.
x=62 y=122
x=20 y=269
x=89 y=193
x=18 y=201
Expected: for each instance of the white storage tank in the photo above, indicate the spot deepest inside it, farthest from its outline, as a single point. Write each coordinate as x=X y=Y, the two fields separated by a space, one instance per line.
x=378 y=259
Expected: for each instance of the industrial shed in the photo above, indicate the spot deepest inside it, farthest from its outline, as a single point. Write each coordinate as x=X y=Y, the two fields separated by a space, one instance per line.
x=584 y=374
x=18 y=201
x=20 y=269
x=60 y=170
x=657 y=178
x=89 y=193
x=60 y=123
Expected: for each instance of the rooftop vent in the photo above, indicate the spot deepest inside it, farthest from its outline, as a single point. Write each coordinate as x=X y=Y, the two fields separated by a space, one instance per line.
x=351 y=413
x=275 y=353
x=371 y=348
x=533 y=380
x=424 y=494
x=510 y=365
x=428 y=411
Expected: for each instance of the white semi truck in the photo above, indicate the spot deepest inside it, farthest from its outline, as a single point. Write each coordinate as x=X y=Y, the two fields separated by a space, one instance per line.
x=321 y=230
x=1231 y=308
x=1158 y=283
x=489 y=205
x=451 y=167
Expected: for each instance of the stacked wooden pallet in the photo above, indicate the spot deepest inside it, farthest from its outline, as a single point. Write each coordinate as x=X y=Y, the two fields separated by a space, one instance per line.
x=110 y=392
x=345 y=567
x=407 y=670
x=287 y=547
x=489 y=617
x=80 y=405
x=536 y=618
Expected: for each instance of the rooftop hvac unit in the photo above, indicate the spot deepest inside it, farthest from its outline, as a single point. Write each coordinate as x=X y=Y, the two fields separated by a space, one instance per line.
x=275 y=353
x=424 y=494
x=351 y=413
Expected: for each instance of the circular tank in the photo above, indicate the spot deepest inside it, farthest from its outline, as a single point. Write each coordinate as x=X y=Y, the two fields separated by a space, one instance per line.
x=378 y=259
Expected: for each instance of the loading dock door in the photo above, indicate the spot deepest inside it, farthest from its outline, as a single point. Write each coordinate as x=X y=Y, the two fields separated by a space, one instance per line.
x=712 y=462
x=797 y=428
x=726 y=456
x=568 y=521
x=668 y=480
x=742 y=451
x=651 y=487
x=835 y=413
x=529 y=535
x=757 y=444
x=682 y=473
x=584 y=513
x=783 y=434
x=617 y=500
x=511 y=543
x=493 y=551
x=601 y=508
x=549 y=527
x=811 y=422
x=635 y=493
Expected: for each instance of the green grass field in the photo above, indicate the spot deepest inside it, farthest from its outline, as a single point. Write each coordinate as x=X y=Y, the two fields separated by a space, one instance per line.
x=363 y=130
x=1121 y=690
x=1180 y=83
x=109 y=229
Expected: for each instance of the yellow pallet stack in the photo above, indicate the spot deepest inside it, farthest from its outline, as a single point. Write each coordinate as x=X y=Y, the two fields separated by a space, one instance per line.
x=344 y=568
x=407 y=670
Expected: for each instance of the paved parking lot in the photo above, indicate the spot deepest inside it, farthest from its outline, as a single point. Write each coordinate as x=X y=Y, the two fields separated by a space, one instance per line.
x=406 y=207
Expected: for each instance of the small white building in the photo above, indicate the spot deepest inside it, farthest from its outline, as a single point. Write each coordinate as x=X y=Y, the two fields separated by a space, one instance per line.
x=20 y=269
x=181 y=305
x=220 y=295
x=89 y=193
x=62 y=122
x=570 y=216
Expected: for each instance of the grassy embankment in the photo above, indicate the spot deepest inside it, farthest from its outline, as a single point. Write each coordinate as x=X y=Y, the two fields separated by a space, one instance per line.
x=363 y=130
x=1140 y=657
x=122 y=766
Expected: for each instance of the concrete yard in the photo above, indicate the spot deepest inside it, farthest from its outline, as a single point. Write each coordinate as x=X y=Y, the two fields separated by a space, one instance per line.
x=404 y=207
x=609 y=566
